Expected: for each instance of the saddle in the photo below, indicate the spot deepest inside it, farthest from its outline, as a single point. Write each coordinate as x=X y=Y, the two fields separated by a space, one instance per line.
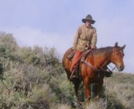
x=85 y=54
x=71 y=54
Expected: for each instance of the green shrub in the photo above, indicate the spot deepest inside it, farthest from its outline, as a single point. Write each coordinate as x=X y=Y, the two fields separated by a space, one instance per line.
x=34 y=78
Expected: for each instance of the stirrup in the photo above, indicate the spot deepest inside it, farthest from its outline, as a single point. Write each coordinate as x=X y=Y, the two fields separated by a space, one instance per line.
x=73 y=75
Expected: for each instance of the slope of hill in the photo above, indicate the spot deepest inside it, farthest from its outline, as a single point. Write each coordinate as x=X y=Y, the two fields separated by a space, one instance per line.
x=120 y=90
x=33 y=78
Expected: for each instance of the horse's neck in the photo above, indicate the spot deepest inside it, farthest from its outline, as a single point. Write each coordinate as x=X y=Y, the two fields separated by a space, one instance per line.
x=101 y=60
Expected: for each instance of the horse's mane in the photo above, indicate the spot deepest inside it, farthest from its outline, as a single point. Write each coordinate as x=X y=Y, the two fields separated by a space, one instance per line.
x=104 y=50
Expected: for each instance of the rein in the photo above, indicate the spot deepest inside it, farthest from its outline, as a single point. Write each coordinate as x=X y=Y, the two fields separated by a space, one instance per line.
x=95 y=69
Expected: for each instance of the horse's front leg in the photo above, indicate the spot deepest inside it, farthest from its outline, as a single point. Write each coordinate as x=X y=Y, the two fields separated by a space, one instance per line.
x=87 y=88
x=98 y=89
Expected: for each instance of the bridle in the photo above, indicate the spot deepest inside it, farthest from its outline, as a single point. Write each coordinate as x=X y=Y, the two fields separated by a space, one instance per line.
x=107 y=69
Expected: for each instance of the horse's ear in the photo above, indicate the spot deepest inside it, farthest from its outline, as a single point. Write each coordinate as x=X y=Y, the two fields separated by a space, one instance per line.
x=116 y=44
x=123 y=47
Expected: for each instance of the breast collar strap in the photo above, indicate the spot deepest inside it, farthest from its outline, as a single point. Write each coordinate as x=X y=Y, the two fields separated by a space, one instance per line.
x=91 y=66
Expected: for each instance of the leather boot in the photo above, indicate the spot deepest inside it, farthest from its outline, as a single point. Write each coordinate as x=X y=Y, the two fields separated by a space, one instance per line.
x=73 y=74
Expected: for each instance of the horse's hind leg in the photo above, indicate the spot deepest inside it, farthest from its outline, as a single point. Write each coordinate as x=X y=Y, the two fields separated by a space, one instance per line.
x=76 y=83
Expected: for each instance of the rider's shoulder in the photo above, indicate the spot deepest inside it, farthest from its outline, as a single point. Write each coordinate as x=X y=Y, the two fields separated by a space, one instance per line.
x=94 y=29
x=82 y=26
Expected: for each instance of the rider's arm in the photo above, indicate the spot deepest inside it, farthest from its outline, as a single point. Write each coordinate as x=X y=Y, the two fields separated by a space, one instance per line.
x=94 y=39
x=76 y=38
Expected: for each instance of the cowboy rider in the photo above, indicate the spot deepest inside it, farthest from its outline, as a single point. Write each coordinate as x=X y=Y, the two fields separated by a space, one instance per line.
x=86 y=37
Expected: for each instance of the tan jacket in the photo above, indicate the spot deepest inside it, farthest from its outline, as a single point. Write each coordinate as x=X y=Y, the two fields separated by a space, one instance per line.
x=85 y=37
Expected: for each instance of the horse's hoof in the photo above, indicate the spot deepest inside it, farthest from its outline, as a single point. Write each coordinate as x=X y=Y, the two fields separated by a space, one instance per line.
x=77 y=105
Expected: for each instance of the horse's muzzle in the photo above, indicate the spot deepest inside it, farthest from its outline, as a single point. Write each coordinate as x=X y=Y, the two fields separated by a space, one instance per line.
x=120 y=68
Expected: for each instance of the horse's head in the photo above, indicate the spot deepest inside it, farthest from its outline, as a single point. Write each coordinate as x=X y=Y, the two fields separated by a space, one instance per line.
x=117 y=56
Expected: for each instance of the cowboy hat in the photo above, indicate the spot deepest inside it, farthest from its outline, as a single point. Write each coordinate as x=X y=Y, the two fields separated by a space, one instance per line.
x=88 y=17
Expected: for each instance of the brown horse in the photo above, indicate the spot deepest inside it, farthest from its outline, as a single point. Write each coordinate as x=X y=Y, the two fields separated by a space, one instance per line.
x=92 y=70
